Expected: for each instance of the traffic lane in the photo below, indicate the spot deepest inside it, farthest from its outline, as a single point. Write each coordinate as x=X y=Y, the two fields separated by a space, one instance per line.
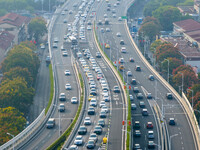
x=162 y=91
x=42 y=89
x=183 y=139
x=115 y=138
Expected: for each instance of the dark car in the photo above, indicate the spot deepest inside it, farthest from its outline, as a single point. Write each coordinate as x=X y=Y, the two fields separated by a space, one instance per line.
x=98 y=130
x=151 y=77
x=139 y=96
x=101 y=122
x=151 y=145
x=169 y=96
x=145 y=112
x=136 y=147
x=149 y=96
x=149 y=125
x=136 y=125
x=137 y=133
x=142 y=104
x=102 y=114
x=116 y=89
x=135 y=89
x=82 y=130
x=172 y=121
x=122 y=42
x=91 y=111
x=131 y=59
x=138 y=68
x=133 y=81
x=98 y=54
x=90 y=144
x=62 y=97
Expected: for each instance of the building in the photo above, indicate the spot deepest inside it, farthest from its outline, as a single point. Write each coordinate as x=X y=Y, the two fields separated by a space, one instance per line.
x=16 y=25
x=189 y=51
x=6 y=43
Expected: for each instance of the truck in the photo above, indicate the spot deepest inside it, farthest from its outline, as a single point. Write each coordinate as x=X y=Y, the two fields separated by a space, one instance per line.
x=73 y=40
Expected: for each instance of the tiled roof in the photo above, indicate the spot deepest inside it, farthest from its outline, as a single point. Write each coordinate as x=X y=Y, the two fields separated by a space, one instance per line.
x=6 y=39
x=184 y=48
x=14 y=19
x=188 y=25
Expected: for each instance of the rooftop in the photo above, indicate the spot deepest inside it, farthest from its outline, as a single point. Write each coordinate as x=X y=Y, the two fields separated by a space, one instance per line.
x=184 y=46
x=14 y=19
x=6 y=40
x=188 y=25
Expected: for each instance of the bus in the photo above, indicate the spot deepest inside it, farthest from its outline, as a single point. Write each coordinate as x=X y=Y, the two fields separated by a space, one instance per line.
x=73 y=40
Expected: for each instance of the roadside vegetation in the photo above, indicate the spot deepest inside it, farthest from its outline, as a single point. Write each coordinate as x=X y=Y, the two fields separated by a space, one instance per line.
x=162 y=14
x=19 y=69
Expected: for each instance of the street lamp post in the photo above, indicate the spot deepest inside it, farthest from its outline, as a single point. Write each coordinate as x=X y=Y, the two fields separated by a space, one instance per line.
x=13 y=137
x=192 y=97
x=182 y=80
x=170 y=140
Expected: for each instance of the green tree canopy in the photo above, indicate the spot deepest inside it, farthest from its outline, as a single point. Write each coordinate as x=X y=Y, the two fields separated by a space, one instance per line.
x=30 y=45
x=173 y=64
x=15 y=93
x=150 y=7
x=37 y=28
x=156 y=44
x=149 y=29
x=166 y=16
x=182 y=68
x=19 y=72
x=11 y=121
x=21 y=56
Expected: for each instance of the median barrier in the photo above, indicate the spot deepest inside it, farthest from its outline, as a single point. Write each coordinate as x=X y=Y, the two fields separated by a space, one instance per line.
x=116 y=74
x=182 y=102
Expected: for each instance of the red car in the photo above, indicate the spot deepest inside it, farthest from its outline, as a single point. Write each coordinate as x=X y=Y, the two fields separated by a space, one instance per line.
x=149 y=125
x=99 y=76
x=131 y=59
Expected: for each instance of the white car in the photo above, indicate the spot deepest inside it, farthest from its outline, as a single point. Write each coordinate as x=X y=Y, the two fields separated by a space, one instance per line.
x=74 y=100
x=106 y=98
x=87 y=121
x=102 y=103
x=68 y=86
x=123 y=49
x=118 y=34
x=78 y=140
x=67 y=72
x=93 y=102
x=105 y=93
x=89 y=28
x=104 y=108
x=92 y=85
x=129 y=73
x=65 y=53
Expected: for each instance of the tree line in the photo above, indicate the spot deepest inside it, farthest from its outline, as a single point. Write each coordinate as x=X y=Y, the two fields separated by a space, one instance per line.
x=20 y=69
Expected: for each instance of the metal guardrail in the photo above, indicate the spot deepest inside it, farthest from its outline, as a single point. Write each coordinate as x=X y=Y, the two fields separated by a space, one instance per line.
x=181 y=101
x=36 y=125
x=26 y=133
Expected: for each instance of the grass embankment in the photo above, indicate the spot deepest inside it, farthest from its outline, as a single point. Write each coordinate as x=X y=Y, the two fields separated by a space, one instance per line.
x=51 y=88
x=60 y=141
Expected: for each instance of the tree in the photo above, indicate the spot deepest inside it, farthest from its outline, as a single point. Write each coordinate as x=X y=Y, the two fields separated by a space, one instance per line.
x=15 y=93
x=156 y=44
x=149 y=29
x=163 y=47
x=37 y=28
x=182 y=68
x=150 y=7
x=30 y=45
x=172 y=52
x=188 y=80
x=173 y=64
x=19 y=72
x=166 y=16
x=11 y=121
x=21 y=56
